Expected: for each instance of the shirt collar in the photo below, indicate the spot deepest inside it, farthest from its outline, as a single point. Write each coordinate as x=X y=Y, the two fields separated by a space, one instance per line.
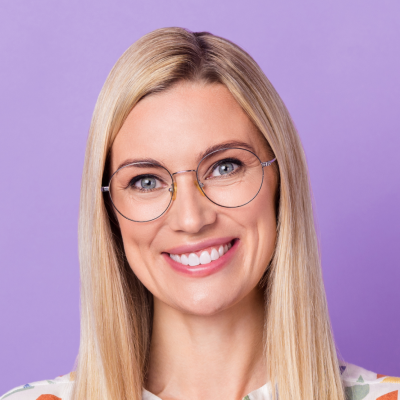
x=262 y=393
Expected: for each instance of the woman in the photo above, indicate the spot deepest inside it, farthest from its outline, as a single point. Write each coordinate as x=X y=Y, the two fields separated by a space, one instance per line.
x=199 y=261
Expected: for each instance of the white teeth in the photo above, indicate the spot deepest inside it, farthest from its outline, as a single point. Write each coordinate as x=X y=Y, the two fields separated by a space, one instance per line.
x=205 y=258
x=184 y=260
x=214 y=255
x=193 y=260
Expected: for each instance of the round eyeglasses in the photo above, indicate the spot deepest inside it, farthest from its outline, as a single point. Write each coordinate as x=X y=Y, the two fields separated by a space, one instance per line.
x=228 y=177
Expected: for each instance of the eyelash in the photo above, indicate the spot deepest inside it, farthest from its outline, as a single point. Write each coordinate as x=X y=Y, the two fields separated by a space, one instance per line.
x=136 y=179
x=227 y=160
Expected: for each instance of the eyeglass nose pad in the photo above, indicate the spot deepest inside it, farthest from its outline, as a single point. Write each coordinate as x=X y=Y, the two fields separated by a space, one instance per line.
x=198 y=187
x=174 y=190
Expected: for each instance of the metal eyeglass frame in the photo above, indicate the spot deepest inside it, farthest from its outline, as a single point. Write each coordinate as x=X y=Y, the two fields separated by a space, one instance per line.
x=173 y=189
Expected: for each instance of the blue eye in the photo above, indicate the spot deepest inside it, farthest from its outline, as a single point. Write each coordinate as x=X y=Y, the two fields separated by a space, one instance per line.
x=225 y=167
x=147 y=183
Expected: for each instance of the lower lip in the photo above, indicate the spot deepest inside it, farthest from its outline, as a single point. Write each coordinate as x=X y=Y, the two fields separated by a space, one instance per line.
x=203 y=269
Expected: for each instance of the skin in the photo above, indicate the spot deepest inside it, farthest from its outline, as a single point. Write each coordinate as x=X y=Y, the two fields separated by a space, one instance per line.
x=207 y=331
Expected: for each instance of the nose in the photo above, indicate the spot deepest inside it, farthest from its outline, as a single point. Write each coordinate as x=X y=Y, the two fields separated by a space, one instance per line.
x=191 y=211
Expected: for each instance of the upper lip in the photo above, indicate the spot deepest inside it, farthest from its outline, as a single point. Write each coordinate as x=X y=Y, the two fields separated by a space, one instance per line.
x=193 y=247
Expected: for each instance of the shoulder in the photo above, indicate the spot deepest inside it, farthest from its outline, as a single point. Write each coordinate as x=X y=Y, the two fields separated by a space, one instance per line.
x=361 y=384
x=59 y=388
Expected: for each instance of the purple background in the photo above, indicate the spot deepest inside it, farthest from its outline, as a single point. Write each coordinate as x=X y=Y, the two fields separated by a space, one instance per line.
x=335 y=63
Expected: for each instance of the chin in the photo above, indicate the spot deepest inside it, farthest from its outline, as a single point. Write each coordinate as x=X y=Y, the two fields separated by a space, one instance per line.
x=205 y=304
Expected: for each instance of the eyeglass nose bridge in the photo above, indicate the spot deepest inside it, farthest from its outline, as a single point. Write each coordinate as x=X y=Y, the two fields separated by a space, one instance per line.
x=185 y=170
x=174 y=187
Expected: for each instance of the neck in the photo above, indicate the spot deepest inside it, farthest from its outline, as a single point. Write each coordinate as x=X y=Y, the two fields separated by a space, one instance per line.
x=213 y=357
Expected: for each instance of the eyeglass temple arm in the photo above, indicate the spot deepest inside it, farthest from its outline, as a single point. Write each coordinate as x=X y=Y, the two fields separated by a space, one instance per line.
x=268 y=163
x=105 y=188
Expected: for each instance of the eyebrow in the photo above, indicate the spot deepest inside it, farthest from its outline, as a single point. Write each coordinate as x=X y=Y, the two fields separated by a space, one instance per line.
x=143 y=162
x=224 y=145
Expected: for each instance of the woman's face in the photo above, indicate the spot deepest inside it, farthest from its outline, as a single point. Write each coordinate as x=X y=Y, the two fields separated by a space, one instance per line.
x=175 y=127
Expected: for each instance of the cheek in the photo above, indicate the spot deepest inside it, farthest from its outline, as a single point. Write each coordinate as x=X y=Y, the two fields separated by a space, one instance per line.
x=137 y=241
x=262 y=207
x=267 y=221
x=260 y=223
x=130 y=236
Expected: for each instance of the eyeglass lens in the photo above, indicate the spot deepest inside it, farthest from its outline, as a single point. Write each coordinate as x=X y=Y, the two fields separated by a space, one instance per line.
x=229 y=178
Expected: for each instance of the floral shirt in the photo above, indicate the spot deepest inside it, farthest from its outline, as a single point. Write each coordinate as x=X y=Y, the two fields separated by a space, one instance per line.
x=360 y=384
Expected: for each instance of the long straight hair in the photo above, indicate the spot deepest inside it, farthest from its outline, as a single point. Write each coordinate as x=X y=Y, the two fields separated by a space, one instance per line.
x=116 y=309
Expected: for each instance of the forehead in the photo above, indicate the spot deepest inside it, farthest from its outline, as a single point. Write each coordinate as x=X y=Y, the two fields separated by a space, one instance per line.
x=176 y=126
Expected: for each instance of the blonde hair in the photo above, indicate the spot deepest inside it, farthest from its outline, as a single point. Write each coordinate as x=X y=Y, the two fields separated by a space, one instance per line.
x=116 y=309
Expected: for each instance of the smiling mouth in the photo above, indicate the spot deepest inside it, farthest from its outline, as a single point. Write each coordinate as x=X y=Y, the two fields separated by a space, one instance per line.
x=204 y=256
